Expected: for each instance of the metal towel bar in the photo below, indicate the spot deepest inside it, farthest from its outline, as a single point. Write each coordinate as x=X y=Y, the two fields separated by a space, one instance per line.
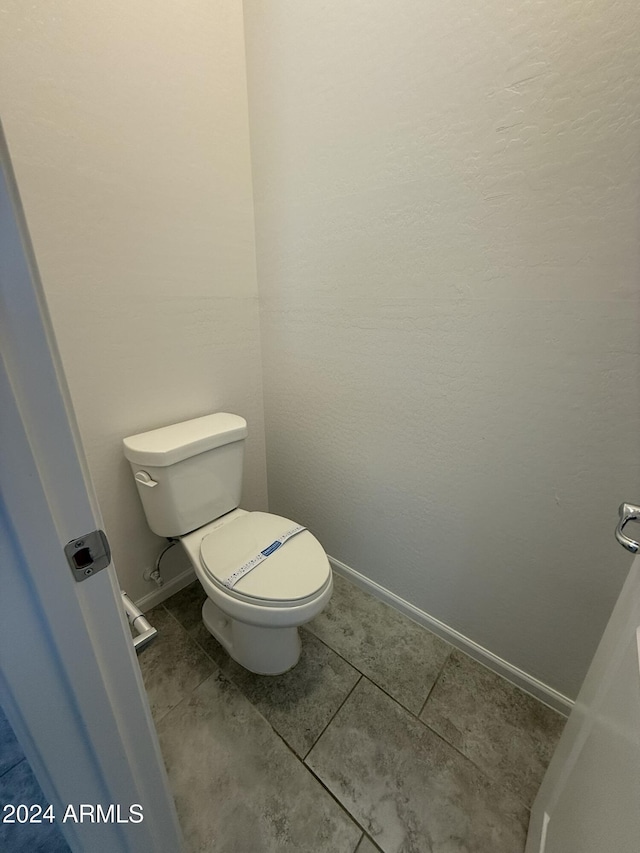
x=146 y=633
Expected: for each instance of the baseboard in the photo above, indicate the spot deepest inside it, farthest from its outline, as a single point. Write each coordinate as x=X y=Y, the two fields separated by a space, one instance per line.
x=516 y=676
x=166 y=591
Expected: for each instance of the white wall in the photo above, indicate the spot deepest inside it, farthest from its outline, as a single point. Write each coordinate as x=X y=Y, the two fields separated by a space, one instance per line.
x=447 y=228
x=127 y=124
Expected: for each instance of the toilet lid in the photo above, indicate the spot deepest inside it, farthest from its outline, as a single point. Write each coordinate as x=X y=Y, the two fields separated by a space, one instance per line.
x=295 y=571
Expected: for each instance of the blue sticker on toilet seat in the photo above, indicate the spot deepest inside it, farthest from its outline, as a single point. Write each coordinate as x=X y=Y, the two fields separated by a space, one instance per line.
x=273 y=547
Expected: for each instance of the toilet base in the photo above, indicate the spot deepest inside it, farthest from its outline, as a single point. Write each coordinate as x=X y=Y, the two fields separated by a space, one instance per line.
x=265 y=651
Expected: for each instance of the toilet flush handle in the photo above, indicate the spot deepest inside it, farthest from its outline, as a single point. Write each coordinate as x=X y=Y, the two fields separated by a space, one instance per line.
x=145 y=480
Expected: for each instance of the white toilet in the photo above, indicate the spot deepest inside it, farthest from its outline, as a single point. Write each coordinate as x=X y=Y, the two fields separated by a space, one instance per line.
x=263 y=574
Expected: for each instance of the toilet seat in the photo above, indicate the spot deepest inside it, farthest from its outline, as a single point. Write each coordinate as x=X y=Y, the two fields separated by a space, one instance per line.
x=293 y=575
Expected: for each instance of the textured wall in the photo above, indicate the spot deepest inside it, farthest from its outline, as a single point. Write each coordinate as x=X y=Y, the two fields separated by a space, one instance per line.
x=127 y=124
x=447 y=228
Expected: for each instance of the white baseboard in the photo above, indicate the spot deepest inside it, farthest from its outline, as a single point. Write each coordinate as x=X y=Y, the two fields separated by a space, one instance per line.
x=163 y=592
x=516 y=676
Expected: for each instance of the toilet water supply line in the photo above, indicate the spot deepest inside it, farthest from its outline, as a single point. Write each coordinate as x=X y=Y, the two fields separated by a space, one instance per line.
x=154 y=574
x=146 y=633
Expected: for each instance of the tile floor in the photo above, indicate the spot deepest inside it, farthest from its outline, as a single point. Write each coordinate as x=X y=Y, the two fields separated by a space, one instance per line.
x=382 y=738
x=18 y=786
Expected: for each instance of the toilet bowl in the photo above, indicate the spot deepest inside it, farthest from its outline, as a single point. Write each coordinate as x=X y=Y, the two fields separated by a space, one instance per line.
x=257 y=620
x=264 y=576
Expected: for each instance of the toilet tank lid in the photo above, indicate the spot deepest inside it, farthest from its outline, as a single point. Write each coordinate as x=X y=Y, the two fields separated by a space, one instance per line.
x=171 y=444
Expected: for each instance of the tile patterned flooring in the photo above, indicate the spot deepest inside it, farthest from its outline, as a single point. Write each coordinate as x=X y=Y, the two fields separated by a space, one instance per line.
x=382 y=738
x=18 y=785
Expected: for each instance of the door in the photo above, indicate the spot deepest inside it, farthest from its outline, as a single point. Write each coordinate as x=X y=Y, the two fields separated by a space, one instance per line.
x=69 y=680
x=589 y=799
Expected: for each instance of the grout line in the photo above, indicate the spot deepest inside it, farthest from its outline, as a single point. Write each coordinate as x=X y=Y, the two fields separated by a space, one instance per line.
x=370 y=677
x=216 y=671
x=229 y=677
x=335 y=651
x=15 y=764
x=308 y=769
x=336 y=800
x=456 y=749
x=187 y=695
x=200 y=646
x=431 y=689
x=333 y=716
x=371 y=841
x=440 y=737
x=495 y=783
x=379 y=686
x=175 y=619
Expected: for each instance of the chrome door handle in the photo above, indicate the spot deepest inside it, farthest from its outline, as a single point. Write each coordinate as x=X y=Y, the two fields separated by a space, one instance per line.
x=627 y=512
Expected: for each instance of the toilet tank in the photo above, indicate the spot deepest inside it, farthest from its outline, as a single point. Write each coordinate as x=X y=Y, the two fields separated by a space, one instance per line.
x=190 y=473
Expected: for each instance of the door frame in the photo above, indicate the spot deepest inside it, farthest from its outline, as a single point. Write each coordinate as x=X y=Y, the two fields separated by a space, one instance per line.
x=70 y=684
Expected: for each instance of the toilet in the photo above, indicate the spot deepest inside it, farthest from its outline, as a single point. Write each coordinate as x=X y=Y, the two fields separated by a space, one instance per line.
x=263 y=574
